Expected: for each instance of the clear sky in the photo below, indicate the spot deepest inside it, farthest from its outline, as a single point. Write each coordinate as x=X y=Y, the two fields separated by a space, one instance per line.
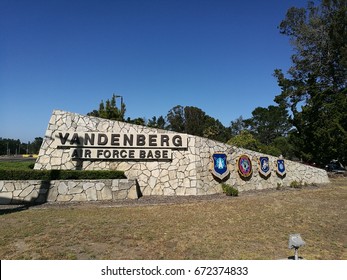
x=218 y=55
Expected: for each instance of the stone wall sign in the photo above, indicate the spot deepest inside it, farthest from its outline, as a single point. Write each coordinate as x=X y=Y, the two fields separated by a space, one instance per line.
x=161 y=162
x=119 y=146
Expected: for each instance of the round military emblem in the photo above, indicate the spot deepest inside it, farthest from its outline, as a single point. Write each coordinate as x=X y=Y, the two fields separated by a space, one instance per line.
x=244 y=166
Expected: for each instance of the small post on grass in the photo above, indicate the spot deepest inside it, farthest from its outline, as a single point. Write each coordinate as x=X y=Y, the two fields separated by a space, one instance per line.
x=295 y=242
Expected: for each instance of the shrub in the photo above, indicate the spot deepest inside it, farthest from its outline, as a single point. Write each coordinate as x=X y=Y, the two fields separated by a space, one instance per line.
x=229 y=190
x=295 y=184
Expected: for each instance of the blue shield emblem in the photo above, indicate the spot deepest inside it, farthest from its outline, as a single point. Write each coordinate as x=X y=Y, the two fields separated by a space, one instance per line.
x=220 y=166
x=281 y=168
x=264 y=166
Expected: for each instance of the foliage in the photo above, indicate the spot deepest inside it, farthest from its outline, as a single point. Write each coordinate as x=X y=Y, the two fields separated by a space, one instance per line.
x=157 y=122
x=269 y=123
x=109 y=109
x=229 y=190
x=12 y=146
x=245 y=140
x=266 y=131
x=315 y=88
x=296 y=184
x=176 y=119
x=237 y=126
x=137 y=121
x=47 y=175
x=193 y=120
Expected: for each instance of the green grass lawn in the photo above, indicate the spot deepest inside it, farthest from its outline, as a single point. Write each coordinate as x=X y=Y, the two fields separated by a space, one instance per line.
x=251 y=226
x=17 y=164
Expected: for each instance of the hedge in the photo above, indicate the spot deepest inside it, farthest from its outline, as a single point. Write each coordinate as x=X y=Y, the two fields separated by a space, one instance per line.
x=48 y=175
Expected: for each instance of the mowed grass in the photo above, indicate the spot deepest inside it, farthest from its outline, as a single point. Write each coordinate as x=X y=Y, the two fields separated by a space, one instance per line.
x=17 y=164
x=251 y=226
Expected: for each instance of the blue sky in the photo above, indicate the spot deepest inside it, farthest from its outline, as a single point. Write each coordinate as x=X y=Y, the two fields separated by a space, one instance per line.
x=217 y=55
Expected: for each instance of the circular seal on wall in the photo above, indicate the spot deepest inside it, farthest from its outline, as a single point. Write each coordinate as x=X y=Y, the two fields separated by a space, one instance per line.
x=244 y=166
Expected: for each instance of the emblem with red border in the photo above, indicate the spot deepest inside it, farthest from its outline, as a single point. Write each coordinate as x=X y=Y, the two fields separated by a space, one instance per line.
x=244 y=166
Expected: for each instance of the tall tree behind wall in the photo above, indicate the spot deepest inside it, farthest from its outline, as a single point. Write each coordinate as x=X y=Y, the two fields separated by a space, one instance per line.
x=110 y=110
x=314 y=88
x=193 y=120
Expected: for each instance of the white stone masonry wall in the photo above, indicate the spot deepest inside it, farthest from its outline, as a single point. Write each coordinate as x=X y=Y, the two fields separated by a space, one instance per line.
x=187 y=174
x=36 y=191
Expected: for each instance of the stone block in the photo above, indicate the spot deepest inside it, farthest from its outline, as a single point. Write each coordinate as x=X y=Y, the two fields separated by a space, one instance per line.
x=91 y=194
x=26 y=191
x=52 y=194
x=152 y=182
x=64 y=197
x=10 y=186
x=16 y=193
x=5 y=197
x=180 y=191
x=173 y=184
x=79 y=197
x=75 y=190
x=31 y=197
x=62 y=188
x=56 y=161
x=164 y=179
x=115 y=183
x=146 y=191
x=71 y=184
x=201 y=191
x=155 y=173
x=99 y=186
x=172 y=175
x=168 y=191
x=157 y=190
x=191 y=191
x=122 y=194
x=124 y=166
x=106 y=193
x=88 y=185
x=124 y=185
x=132 y=194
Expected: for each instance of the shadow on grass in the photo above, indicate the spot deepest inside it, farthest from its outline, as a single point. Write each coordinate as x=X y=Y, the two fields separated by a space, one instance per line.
x=16 y=209
x=17 y=205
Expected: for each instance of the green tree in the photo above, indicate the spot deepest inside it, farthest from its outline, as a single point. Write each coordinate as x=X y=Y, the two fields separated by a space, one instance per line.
x=246 y=140
x=193 y=120
x=176 y=119
x=314 y=88
x=157 y=122
x=237 y=126
x=269 y=123
x=214 y=129
x=34 y=147
x=109 y=110
x=137 y=121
